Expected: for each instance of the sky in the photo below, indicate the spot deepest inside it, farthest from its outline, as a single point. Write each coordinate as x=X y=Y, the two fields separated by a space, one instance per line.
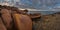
x=36 y=4
x=41 y=4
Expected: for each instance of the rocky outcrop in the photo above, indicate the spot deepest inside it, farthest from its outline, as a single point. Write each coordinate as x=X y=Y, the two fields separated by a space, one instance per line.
x=14 y=19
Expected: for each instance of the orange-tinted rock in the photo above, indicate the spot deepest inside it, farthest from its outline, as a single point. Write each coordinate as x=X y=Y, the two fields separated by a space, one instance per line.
x=22 y=22
x=6 y=16
x=2 y=26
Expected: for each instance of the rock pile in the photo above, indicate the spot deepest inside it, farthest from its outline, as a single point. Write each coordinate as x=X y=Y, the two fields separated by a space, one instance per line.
x=11 y=18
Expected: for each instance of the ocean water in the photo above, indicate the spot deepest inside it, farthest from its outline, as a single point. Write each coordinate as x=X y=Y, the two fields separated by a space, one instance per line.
x=43 y=12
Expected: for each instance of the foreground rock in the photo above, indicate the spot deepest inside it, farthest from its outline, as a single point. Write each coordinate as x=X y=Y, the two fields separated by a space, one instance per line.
x=14 y=19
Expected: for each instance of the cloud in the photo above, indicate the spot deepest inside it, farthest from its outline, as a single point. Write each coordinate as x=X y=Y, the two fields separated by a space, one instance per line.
x=17 y=0
x=6 y=0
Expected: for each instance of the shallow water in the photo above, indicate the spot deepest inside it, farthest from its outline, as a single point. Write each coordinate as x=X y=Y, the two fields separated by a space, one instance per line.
x=43 y=12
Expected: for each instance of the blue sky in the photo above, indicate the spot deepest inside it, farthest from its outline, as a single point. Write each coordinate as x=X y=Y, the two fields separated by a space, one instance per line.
x=37 y=3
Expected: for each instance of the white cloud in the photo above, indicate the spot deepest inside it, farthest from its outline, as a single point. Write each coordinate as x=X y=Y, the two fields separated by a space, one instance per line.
x=6 y=0
x=17 y=0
